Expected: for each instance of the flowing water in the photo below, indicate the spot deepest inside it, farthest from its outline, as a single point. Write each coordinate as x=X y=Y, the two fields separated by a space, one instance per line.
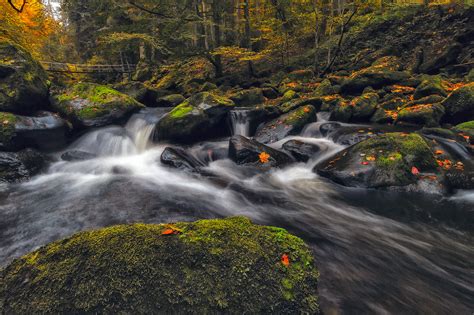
x=378 y=252
x=240 y=122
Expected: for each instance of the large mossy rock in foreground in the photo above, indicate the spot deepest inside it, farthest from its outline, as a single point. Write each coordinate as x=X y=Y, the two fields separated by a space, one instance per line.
x=207 y=267
x=200 y=117
x=23 y=82
x=93 y=105
x=391 y=159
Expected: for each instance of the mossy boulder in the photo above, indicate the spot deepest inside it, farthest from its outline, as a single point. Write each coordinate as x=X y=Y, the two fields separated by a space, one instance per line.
x=358 y=109
x=288 y=96
x=206 y=267
x=288 y=124
x=170 y=100
x=324 y=88
x=200 y=117
x=141 y=92
x=248 y=97
x=23 y=81
x=430 y=85
x=382 y=161
x=459 y=105
x=428 y=115
x=44 y=131
x=94 y=105
x=298 y=102
x=381 y=73
x=248 y=152
x=303 y=75
x=466 y=129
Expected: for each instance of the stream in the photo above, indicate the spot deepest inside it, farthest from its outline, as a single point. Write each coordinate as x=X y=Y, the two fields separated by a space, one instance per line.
x=377 y=251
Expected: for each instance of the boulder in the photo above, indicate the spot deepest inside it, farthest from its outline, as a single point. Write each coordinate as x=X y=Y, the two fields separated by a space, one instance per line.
x=288 y=124
x=389 y=160
x=459 y=105
x=466 y=130
x=45 y=131
x=207 y=267
x=23 y=82
x=459 y=179
x=301 y=151
x=304 y=75
x=248 y=152
x=327 y=128
x=428 y=115
x=298 y=102
x=363 y=107
x=288 y=96
x=437 y=60
x=170 y=100
x=20 y=166
x=89 y=105
x=180 y=159
x=248 y=97
x=431 y=85
x=202 y=116
x=140 y=92
x=325 y=88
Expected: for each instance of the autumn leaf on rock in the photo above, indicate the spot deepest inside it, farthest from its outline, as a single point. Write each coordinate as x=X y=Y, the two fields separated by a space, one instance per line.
x=264 y=157
x=415 y=171
x=285 y=260
x=439 y=152
x=170 y=231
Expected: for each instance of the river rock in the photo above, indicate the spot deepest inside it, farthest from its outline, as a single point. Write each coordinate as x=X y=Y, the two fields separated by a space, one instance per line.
x=23 y=82
x=180 y=159
x=245 y=151
x=328 y=128
x=202 y=116
x=20 y=166
x=384 y=161
x=288 y=124
x=170 y=100
x=207 y=267
x=89 y=105
x=431 y=85
x=45 y=131
x=301 y=151
x=248 y=97
x=459 y=105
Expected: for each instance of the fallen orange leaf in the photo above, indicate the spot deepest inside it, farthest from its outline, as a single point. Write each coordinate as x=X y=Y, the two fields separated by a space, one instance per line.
x=439 y=152
x=415 y=171
x=170 y=231
x=285 y=260
x=264 y=157
x=365 y=163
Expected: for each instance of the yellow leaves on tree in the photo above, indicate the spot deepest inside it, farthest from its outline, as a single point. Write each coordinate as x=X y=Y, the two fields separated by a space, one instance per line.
x=30 y=28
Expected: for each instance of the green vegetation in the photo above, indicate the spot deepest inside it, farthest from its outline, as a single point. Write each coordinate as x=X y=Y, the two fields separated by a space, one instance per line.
x=7 y=127
x=469 y=125
x=209 y=266
x=181 y=110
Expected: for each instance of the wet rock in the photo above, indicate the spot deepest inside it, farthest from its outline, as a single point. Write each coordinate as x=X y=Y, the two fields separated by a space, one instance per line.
x=202 y=116
x=75 y=155
x=20 y=166
x=329 y=128
x=89 y=105
x=301 y=151
x=244 y=151
x=459 y=105
x=166 y=268
x=248 y=97
x=23 y=82
x=45 y=131
x=170 y=100
x=383 y=161
x=458 y=179
x=180 y=159
x=288 y=124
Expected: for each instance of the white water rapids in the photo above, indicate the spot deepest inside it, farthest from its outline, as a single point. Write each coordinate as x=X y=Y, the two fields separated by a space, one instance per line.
x=374 y=256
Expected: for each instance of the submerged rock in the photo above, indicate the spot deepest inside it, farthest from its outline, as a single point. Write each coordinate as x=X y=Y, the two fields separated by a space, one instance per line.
x=200 y=117
x=44 y=131
x=245 y=151
x=206 y=267
x=75 y=155
x=23 y=82
x=301 y=151
x=391 y=159
x=180 y=159
x=288 y=124
x=93 y=105
x=20 y=166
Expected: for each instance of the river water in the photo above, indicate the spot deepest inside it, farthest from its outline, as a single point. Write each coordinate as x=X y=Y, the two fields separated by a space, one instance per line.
x=377 y=252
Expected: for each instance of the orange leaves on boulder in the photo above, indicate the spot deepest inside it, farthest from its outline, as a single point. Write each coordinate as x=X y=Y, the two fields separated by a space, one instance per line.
x=264 y=157
x=171 y=230
x=285 y=260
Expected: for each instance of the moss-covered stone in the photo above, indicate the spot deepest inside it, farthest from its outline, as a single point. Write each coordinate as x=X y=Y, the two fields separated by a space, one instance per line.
x=428 y=115
x=459 y=104
x=248 y=97
x=23 y=82
x=200 y=117
x=382 y=161
x=288 y=96
x=207 y=267
x=364 y=107
x=430 y=85
x=468 y=125
x=170 y=100
x=324 y=88
x=7 y=129
x=93 y=105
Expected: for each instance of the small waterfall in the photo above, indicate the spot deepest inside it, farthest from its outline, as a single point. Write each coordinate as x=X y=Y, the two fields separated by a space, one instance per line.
x=240 y=122
x=140 y=131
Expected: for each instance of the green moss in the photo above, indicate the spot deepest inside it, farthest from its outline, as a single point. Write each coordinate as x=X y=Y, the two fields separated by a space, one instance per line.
x=467 y=125
x=288 y=96
x=212 y=266
x=7 y=127
x=181 y=110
